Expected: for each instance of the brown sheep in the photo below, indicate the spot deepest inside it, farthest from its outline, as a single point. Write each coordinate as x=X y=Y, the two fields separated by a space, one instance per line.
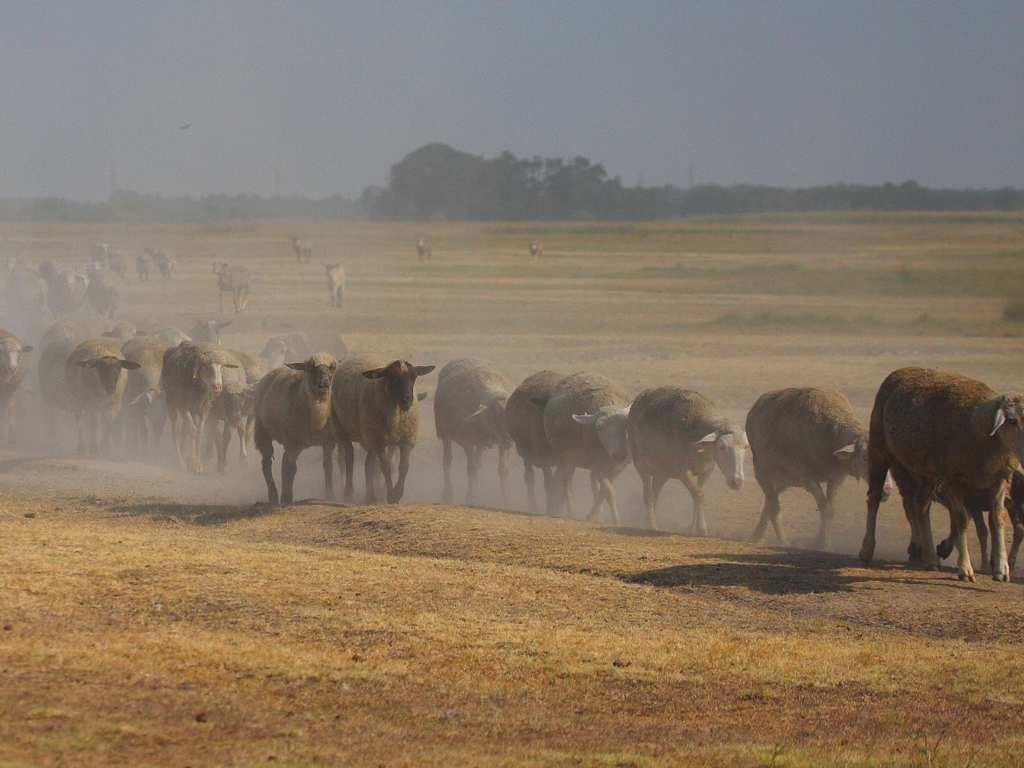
x=192 y=377
x=294 y=408
x=943 y=436
x=585 y=424
x=96 y=380
x=12 y=373
x=335 y=283
x=375 y=405
x=803 y=437
x=469 y=409
x=525 y=424
x=678 y=433
x=234 y=280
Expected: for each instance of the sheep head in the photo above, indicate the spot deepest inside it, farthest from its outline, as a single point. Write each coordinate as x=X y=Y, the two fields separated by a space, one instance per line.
x=399 y=381
x=10 y=358
x=488 y=418
x=854 y=458
x=108 y=369
x=1008 y=423
x=610 y=424
x=730 y=451
x=319 y=371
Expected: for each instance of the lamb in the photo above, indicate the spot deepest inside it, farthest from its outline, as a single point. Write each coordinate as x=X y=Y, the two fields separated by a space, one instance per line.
x=302 y=249
x=803 y=437
x=977 y=504
x=103 y=297
x=335 y=283
x=12 y=373
x=289 y=346
x=96 y=380
x=670 y=432
x=294 y=408
x=192 y=377
x=208 y=331
x=525 y=424
x=585 y=424
x=424 y=249
x=142 y=266
x=376 y=405
x=469 y=409
x=146 y=406
x=536 y=250
x=942 y=433
x=234 y=280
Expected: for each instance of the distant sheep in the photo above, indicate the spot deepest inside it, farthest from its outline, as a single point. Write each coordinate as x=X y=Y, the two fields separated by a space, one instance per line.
x=288 y=346
x=303 y=250
x=12 y=373
x=376 y=406
x=235 y=280
x=143 y=263
x=103 y=297
x=424 y=249
x=208 y=331
x=96 y=380
x=943 y=436
x=536 y=250
x=171 y=336
x=335 y=283
x=65 y=291
x=165 y=264
x=469 y=409
x=585 y=424
x=803 y=437
x=525 y=424
x=294 y=408
x=678 y=433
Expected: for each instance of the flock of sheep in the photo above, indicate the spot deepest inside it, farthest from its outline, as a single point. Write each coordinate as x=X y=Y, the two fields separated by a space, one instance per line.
x=938 y=436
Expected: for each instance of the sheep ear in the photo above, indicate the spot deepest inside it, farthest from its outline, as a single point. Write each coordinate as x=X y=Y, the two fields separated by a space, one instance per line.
x=423 y=370
x=846 y=449
x=540 y=402
x=710 y=437
x=130 y=365
x=476 y=413
x=376 y=373
x=232 y=365
x=421 y=396
x=1000 y=420
x=293 y=366
x=584 y=418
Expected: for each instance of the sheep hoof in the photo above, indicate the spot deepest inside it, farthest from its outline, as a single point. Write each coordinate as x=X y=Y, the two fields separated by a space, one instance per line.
x=945 y=549
x=966 y=576
x=1000 y=577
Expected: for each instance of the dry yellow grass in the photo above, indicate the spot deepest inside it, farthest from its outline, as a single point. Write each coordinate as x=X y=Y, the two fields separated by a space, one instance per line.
x=150 y=619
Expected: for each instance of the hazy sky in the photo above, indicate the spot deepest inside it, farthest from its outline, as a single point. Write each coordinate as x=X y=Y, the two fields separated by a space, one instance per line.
x=334 y=92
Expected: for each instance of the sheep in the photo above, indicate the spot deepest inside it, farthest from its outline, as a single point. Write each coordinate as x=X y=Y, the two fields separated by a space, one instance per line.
x=171 y=336
x=234 y=280
x=122 y=330
x=12 y=373
x=117 y=264
x=803 y=437
x=943 y=433
x=294 y=408
x=26 y=289
x=96 y=380
x=146 y=406
x=335 y=283
x=143 y=262
x=103 y=297
x=536 y=250
x=302 y=249
x=977 y=504
x=525 y=424
x=376 y=405
x=208 y=331
x=289 y=346
x=469 y=409
x=424 y=249
x=164 y=263
x=235 y=405
x=58 y=342
x=585 y=424
x=65 y=291
x=670 y=432
x=192 y=377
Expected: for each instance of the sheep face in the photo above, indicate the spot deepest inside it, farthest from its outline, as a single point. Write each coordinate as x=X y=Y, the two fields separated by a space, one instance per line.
x=319 y=373
x=211 y=374
x=399 y=379
x=209 y=331
x=108 y=369
x=854 y=458
x=730 y=452
x=275 y=352
x=10 y=359
x=1008 y=425
x=611 y=428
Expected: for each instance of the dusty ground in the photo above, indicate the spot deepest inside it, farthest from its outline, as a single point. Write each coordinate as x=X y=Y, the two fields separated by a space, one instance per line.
x=153 y=618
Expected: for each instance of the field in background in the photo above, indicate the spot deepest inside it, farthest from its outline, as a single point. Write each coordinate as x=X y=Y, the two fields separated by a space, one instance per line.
x=150 y=617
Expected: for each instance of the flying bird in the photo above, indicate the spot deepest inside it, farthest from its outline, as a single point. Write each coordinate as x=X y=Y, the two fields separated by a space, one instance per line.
x=184 y=126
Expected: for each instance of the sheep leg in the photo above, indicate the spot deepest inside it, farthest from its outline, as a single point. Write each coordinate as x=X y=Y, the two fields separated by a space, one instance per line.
x=266 y=448
x=876 y=484
x=958 y=518
x=699 y=526
x=923 y=518
x=657 y=483
x=404 y=456
x=503 y=450
x=528 y=478
x=563 y=486
x=474 y=455
x=80 y=431
x=349 y=451
x=221 y=296
x=596 y=491
x=327 y=454
x=1018 y=536
x=608 y=491
x=389 y=486
x=289 y=466
x=371 y=470
x=222 y=447
x=1000 y=564
x=550 y=491
x=769 y=514
x=447 y=491
x=822 y=502
x=10 y=422
x=243 y=439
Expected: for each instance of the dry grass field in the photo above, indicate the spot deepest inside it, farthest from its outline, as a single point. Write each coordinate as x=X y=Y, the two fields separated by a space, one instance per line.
x=153 y=618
